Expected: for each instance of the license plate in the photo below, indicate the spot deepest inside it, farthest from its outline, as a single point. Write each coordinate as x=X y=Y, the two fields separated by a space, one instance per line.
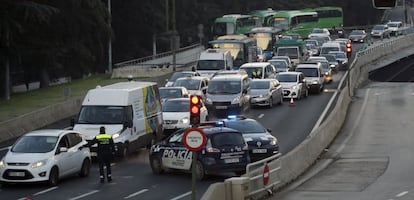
x=16 y=174
x=259 y=150
x=221 y=107
x=285 y=92
x=231 y=160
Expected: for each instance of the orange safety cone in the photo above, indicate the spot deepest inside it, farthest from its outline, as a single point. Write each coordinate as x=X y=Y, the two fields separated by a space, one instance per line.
x=291 y=103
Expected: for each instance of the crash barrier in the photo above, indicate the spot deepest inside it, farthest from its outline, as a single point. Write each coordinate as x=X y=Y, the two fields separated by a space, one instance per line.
x=160 y=64
x=290 y=166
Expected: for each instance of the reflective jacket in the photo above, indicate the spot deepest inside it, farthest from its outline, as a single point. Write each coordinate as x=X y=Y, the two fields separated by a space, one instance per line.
x=105 y=144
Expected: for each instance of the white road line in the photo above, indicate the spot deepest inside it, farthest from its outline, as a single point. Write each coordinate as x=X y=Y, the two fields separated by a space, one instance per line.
x=44 y=191
x=181 y=196
x=260 y=116
x=402 y=194
x=136 y=193
x=84 y=195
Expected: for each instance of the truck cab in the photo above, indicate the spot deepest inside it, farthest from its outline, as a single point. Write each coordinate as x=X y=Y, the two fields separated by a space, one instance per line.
x=213 y=60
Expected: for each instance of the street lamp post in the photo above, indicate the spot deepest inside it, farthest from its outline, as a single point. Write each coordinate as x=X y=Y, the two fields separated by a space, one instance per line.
x=110 y=40
x=174 y=36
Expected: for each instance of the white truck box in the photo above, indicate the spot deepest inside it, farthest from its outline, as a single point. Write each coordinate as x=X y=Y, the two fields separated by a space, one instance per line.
x=213 y=60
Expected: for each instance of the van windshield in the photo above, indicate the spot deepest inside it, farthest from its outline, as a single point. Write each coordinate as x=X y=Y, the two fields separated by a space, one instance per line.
x=210 y=65
x=103 y=114
x=287 y=78
x=291 y=52
x=224 y=87
x=308 y=72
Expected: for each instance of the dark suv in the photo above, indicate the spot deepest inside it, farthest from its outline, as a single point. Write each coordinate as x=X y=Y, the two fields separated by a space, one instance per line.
x=225 y=151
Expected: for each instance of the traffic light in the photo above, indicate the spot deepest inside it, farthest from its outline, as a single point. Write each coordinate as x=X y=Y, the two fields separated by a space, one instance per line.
x=195 y=105
x=348 y=49
x=384 y=4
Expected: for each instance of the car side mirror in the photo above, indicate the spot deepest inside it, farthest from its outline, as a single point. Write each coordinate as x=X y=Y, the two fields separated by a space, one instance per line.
x=61 y=150
x=269 y=130
x=128 y=124
x=72 y=122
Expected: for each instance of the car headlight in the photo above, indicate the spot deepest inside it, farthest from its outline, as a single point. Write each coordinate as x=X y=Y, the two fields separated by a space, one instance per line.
x=208 y=101
x=248 y=139
x=264 y=95
x=273 y=141
x=332 y=65
x=236 y=100
x=116 y=135
x=185 y=120
x=315 y=82
x=39 y=163
x=295 y=87
x=2 y=164
x=326 y=73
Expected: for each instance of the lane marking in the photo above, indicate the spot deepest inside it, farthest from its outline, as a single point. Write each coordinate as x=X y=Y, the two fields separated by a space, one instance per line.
x=181 y=196
x=136 y=193
x=44 y=191
x=260 y=116
x=402 y=194
x=84 y=195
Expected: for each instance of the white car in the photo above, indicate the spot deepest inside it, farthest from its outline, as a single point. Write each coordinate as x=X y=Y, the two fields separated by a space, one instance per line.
x=46 y=156
x=196 y=85
x=176 y=113
x=293 y=84
x=316 y=32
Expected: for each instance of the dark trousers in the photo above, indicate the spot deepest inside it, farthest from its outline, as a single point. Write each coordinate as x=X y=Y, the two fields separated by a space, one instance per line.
x=104 y=160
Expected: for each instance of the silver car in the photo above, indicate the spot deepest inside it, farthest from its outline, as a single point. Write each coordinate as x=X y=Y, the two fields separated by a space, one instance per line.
x=265 y=92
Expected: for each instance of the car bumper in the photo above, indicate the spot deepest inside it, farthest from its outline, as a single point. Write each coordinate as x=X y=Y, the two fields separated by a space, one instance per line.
x=24 y=174
x=260 y=101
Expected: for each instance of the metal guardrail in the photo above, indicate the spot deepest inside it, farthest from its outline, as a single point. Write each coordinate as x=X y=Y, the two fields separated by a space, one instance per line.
x=141 y=61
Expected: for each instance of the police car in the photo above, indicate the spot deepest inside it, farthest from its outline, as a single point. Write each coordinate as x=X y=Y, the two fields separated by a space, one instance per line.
x=225 y=151
x=261 y=142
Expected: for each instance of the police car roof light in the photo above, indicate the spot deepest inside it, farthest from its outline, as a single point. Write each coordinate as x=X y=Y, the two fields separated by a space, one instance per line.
x=233 y=117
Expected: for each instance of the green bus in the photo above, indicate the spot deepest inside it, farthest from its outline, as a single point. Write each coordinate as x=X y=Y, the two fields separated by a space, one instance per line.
x=265 y=38
x=296 y=21
x=232 y=24
x=263 y=17
x=242 y=48
x=329 y=16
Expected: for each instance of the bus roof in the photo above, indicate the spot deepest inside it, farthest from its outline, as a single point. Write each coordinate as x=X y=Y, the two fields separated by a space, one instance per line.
x=230 y=18
x=264 y=30
x=232 y=39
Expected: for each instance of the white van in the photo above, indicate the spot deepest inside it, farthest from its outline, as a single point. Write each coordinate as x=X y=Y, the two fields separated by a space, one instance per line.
x=129 y=111
x=267 y=70
x=330 y=46
x=313 y=75
x=213 y=60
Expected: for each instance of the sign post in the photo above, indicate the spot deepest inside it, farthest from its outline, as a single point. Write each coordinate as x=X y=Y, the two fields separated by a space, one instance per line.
x=194 y=140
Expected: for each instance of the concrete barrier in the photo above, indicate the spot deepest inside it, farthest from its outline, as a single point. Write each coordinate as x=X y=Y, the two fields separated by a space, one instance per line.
x=297 y=161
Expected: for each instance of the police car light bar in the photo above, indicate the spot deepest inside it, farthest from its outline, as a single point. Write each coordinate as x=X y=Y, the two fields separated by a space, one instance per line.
x=232 y=117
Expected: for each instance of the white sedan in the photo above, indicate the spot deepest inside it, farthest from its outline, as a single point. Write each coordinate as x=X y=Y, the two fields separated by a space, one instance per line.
x=176 y=113
x=45 y=156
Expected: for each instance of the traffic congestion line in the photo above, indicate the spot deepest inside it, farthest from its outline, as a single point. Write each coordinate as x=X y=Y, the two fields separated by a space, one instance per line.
x=84 y=195
x=181 y=196
x=136 y=193
x=402 y=194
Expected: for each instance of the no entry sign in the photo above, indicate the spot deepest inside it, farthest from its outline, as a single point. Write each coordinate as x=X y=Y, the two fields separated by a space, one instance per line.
x=194 y=139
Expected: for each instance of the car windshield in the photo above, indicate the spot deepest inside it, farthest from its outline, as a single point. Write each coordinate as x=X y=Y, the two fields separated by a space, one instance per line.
x=325 y=66
x=178 y=75
x=246 y=126
x=176 y=106
x=250 y=70
x=224 y=87
x=291 y=52
x=190 y=84
x=170 y=93
x=287 y=78
x=379 y=28
x=308 y=72
x=103 y=114
x=35 y=144
x=357 y=33
x=330 y=58
x=278 y=63
x=259 y=85
x=210 y=65
x=317 y=30
x=338 y=55
x=227 y=139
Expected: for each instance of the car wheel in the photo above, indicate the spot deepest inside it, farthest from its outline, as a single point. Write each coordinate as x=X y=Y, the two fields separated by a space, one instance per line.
x=281 y=99
x=124 y=152
x=53 y=177
x=270 y=102
x=86 y=166
x=156 y=165
x=200 y=173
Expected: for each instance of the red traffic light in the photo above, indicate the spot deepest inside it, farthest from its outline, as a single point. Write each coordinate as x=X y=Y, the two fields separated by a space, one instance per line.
x=195 y=105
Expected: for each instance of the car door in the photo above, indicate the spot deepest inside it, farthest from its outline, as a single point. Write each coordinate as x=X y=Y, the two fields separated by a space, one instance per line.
x=63 y=159
x=75 y=151
x=203 y=112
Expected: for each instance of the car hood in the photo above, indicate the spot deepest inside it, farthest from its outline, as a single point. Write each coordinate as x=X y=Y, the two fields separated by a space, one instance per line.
x=222 y=97
x=288 y=85
x=12 y=157
x=257 y=92
x=91 y=130
x=175 y=115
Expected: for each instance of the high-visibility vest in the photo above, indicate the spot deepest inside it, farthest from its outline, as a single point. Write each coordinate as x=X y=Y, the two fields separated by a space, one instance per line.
x=103 y=138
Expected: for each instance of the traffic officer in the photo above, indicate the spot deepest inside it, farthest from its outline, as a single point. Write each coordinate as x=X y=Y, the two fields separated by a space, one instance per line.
x=105 y=151
x=257 y=73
